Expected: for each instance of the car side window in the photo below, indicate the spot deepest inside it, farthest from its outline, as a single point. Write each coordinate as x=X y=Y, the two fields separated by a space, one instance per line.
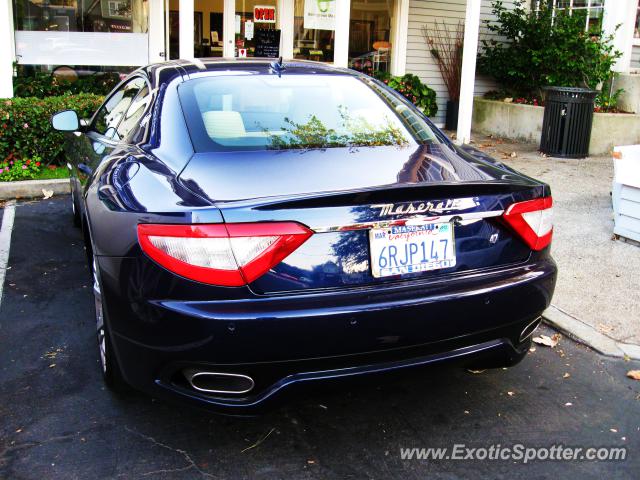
x=111 y=113
x=137 y=107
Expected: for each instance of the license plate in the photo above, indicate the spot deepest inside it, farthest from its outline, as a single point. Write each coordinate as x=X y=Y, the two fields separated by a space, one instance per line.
x=411 y=248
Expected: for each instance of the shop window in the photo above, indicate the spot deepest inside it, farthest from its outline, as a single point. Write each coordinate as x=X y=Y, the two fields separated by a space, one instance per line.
x=256 y=34
x=314 y=30
x=116 y=16
x=369 y=35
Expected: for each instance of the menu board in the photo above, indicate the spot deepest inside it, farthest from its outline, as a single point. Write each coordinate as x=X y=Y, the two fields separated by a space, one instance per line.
x=267 y=43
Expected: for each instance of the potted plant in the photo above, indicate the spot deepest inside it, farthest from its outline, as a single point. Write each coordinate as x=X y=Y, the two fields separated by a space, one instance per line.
x=446 y=46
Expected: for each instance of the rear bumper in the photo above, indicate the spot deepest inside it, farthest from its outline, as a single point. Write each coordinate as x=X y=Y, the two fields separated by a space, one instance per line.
x=284 y=342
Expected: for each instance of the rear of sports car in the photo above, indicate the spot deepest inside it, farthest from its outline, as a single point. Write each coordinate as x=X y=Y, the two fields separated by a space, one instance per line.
x=345 y=237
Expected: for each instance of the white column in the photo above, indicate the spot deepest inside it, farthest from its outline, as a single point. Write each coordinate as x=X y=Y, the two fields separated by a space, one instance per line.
x=156 y=31
x=186 y=29
x=471 y=28
x=621 y=14
x=229 y=29
x=285 y=16
x=399 y=39
x=7 y=49
x=341 y=47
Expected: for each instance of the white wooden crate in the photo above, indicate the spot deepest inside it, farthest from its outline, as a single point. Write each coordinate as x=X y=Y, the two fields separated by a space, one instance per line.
x=626 y=192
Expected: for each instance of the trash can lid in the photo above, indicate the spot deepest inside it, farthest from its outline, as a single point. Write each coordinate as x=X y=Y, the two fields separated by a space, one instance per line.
x=570 y=92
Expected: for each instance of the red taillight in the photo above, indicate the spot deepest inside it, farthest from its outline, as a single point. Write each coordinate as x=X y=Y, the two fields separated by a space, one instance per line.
x=231 y=254
x=532 y=220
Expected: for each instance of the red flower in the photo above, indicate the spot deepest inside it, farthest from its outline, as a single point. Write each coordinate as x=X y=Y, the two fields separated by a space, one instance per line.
x=28 y=162
x=37 y=164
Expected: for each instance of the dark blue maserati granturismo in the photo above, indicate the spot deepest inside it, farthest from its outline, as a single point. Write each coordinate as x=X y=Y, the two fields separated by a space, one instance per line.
x=252 y=226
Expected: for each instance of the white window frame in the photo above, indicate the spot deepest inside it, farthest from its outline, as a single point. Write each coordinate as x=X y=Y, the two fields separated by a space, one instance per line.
x=588 y=8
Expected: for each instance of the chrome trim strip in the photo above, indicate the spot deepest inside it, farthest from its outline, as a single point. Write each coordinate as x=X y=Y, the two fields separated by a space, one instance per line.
x=530 y=329
x=463 y=218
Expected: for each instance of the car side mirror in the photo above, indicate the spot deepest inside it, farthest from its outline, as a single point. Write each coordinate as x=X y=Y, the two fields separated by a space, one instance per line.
x=66 y=121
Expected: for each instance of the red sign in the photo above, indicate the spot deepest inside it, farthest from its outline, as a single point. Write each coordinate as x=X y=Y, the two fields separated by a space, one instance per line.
x=264 y=14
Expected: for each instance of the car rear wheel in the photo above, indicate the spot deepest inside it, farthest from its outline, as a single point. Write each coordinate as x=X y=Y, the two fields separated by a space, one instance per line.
x=111 y=373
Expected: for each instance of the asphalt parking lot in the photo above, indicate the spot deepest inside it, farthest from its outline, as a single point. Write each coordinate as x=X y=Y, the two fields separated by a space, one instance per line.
x=58 y=421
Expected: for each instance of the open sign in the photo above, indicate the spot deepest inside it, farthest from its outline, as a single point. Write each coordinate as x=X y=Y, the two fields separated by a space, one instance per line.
x=264 y=14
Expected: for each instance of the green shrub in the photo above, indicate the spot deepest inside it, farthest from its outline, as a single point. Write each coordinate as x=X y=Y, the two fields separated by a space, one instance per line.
x=413 y=89
x=25 y=128
x=12 y=169
x=42 y=84
x=537 y=50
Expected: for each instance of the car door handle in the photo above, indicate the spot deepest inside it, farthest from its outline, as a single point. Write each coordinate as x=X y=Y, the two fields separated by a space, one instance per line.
x=84 y=168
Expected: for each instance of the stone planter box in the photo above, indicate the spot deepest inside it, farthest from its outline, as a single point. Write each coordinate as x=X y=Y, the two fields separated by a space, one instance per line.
x=629 y=101
x=524 y=123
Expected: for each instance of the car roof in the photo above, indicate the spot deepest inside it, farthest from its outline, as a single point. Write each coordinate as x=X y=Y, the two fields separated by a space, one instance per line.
x=199 y=67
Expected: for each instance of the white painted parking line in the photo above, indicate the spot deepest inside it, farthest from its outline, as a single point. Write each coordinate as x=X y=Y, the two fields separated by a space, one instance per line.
x=5 y=240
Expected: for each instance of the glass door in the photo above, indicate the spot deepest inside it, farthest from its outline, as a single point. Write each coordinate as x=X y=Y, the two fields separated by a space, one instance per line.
x=314 y=30
x=208 y=28
x=256 y=32
x=370 y=34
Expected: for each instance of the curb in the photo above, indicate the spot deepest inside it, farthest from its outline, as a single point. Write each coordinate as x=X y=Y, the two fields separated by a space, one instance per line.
x=33 y=188
x=588 y=335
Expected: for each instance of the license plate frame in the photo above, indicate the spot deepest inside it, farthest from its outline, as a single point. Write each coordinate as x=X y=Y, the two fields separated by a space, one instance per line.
x=430 y=238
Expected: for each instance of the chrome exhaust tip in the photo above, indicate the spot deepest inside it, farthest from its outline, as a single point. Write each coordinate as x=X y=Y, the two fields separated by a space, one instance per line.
x=529 y=329
x=218 y=382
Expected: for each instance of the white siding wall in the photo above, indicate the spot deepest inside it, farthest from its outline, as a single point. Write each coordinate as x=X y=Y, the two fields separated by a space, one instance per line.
x=635 y=57
x=420 y=61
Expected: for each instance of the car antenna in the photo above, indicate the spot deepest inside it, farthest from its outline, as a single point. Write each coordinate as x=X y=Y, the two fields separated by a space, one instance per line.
x=277 y=66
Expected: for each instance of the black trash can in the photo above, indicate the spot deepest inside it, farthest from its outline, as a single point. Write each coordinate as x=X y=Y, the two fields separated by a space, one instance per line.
x=566 y=128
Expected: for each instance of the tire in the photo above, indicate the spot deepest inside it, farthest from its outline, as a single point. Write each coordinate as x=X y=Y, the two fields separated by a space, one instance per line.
x=74 y=208
x=111 y=373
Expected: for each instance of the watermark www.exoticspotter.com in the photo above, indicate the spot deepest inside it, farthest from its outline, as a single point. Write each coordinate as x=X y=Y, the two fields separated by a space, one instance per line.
x=516 y=453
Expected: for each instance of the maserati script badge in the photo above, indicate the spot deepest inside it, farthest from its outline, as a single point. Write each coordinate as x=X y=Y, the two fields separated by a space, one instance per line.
x=433 y=207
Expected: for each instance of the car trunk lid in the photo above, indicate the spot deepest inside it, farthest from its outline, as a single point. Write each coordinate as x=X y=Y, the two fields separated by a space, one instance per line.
x=341 y=194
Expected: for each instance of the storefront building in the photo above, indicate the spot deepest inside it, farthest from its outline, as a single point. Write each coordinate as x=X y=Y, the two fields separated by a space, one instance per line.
x=366 y=35
x=124 y=33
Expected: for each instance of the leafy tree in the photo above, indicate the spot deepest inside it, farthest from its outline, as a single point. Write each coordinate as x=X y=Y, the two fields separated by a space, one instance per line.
x=531 y=50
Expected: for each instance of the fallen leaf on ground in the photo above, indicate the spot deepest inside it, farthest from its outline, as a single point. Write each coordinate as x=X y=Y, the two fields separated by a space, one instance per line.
x=47 y=193
x=613 y=430
x=547 y=341
x=511 y=394
x=635 y=374
x=605 y=328
x=566 y=375
x=532 y=349
x=513 y=155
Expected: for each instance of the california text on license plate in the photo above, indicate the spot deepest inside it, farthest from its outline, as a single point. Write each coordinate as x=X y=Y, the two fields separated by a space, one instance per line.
x=411 y=248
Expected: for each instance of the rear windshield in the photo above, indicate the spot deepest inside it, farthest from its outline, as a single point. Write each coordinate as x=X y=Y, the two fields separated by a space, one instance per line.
x=267 y=112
